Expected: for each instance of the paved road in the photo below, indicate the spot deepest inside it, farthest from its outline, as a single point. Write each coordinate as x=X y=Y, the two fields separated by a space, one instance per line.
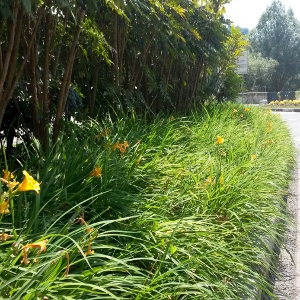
x=293 y=121
x=287 y=285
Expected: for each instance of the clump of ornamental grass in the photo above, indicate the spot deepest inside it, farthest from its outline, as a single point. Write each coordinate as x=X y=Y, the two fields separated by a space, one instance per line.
x=181 y=208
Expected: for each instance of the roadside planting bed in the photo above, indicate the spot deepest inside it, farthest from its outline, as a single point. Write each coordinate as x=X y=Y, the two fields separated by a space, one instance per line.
x=179 y=208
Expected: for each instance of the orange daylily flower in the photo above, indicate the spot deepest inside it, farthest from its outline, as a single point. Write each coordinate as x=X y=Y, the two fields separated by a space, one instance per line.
x=115 y=146
x=139 y=159
x=208 y=181
x=38 y=245
x=88 y=230
x=89 y=251
x=221 y=179
x=104 y=133
x=122 y=147
x=25 y=260
x=7 y=175
x=68 y=264
x=5 y=236
x=219 y=140
x=12 y=184
x=29 y=184
x=4 y=207
x=96 y=172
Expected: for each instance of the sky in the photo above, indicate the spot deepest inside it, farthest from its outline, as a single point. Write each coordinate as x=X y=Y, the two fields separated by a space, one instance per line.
x=246 y=13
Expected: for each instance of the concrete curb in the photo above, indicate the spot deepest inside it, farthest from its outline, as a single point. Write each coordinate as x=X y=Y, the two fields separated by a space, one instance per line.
x=286 y=109
x=297 y=254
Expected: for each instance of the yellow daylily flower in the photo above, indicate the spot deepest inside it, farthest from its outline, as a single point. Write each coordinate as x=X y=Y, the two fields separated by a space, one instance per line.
x=29 y=184
x=253 y=156
x=4 y=207
x=96 y=172
x=7 y=175
x=246 y=109
x=219 y=140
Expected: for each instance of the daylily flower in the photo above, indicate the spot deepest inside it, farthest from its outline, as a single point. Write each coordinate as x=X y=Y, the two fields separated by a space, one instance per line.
x=208 y=181
x=96 y=172
x=7 y=175
x=246 y=109
x=221 y=179
x=89 y=251
x=25 y=260
x=4 y=207
x=5 y=236
x=12 y=184
x=39 y=245
x=68 y=264
x=270 y=127
x=235 y=111
x=104 y=133
x=253 y=156
x=219 y=140
x=139 y=159
x=115 y=146
x=122 y=147
x=29 y=184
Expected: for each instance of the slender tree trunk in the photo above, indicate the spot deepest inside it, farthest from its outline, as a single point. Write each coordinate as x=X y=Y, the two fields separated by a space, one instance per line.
x=115 y=65
x=137 y=73
x=67 y=79
x=6 y=93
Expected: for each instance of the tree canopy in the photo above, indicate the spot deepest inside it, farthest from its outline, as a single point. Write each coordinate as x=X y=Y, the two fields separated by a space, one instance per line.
x=92 y=57
x=277 y=36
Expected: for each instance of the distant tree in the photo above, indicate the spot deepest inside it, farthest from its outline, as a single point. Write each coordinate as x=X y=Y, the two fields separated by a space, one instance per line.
x=244 y=31
x=277 y=36
x=260 y=72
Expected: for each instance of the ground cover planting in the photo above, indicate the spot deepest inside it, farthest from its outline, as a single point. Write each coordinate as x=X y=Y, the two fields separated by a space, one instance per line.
x=290 y=103
x=178 y=208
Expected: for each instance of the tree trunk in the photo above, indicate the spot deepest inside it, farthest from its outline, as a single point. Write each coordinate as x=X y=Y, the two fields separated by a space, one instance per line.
x=67 y=79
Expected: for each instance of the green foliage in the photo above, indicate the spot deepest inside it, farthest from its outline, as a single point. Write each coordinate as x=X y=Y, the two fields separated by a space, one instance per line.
x=260 y=72
x=177 y=213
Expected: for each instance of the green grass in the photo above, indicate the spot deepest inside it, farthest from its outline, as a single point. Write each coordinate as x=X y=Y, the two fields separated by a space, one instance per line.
x=177 y=215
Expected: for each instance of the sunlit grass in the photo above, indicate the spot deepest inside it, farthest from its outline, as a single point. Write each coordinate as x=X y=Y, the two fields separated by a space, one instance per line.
x=190 y=209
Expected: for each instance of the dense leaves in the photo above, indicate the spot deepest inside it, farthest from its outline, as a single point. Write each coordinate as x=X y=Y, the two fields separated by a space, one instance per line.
x=120 y=57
